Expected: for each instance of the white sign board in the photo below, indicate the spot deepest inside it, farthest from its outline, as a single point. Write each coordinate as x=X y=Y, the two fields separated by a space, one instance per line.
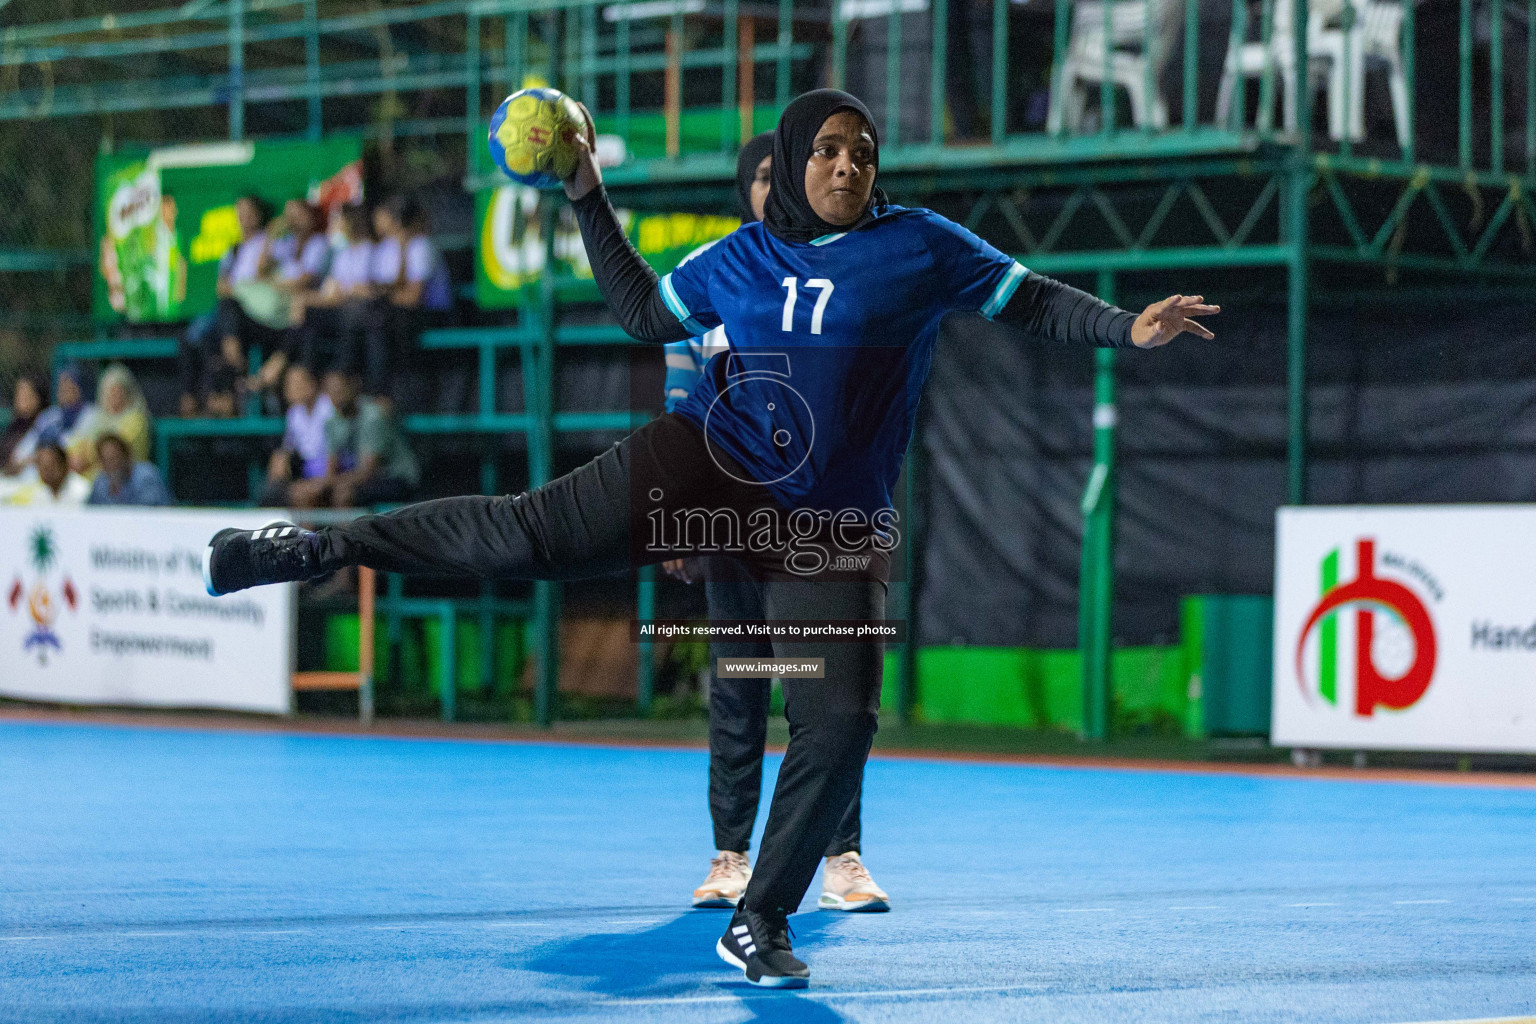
x=107 y=606
x=1406 y=628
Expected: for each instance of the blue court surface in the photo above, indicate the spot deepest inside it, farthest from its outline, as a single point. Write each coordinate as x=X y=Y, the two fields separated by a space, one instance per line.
x=180 y=876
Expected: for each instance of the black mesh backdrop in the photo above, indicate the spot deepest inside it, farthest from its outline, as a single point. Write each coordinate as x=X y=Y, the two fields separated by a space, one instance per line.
x=1412 y=401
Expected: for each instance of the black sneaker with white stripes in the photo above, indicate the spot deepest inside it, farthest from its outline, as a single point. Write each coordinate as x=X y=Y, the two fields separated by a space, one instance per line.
x=759 y=945
x=277 y=553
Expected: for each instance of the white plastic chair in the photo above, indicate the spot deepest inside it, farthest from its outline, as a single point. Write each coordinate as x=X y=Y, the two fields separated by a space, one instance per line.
x=1375 y=37
x=1251 y=59
x=1377 y=40
x=1084 y=62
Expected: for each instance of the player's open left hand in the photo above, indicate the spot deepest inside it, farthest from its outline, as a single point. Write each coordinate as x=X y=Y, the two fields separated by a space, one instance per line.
x=1163 y=321
x=588 y=176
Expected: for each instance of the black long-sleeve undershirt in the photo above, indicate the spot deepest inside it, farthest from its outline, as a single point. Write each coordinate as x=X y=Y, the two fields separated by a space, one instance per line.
x=1041 y=305
x=630 y=286
x=1049 y=309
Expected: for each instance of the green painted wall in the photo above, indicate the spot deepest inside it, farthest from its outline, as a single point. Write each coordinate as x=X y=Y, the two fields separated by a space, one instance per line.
x=1215 y=681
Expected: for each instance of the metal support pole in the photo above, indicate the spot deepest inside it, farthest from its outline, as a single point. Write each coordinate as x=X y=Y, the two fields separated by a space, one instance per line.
x=786 y=40
x=839 y=50
x=999 y=70
x=448 y=658
x=1096 y=589
x=516 y=49
x=730 y=76
x=1106 y=79
x=487 y=588
x=672 y=88
x=237 y=69
x=1296 y=334
x=1295 y=232
x=746 y=74
x=1496 y=88
x=1060 y=37
x=1464 y=89
x=589 y=55
x=621 y=78
x=546 y=594
x=366 y=583
x=893 y=75
x=912 y=556
x=1410 y=36
x=1237 y=117
x=645 y=611
x=1299 y=17
x=1149 y=42
x=474 y=145
x=1191 y=63
x=570 y=61
x=394 y=589
x=938 y=82
x=1351 y=39
x=312 y=69
x=1530 y=82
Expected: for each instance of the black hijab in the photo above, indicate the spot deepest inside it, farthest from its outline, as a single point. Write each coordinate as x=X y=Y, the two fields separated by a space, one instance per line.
x=747 y=160
x=788 y=213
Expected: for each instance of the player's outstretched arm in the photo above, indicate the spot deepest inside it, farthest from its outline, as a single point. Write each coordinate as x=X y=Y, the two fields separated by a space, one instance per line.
x=1050 y=309
x=627 y=282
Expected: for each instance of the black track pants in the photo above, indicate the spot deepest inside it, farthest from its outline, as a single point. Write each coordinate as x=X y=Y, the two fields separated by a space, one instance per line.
x=738 y=718
x=600 y=519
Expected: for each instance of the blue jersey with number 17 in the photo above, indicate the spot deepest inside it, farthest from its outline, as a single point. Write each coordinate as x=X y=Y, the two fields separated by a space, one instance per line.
x=830 y=343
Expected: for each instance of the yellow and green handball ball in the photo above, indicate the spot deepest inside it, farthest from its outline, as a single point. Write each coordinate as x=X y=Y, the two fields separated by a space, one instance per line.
x=533 y=136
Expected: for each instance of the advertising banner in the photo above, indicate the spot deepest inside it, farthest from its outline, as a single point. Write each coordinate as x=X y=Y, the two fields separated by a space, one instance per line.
x=107 y=606
x=166 y=217
x=509 y=246
x=1406 y=628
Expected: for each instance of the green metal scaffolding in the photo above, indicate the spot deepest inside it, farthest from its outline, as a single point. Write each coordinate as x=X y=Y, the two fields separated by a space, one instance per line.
x=685 y=81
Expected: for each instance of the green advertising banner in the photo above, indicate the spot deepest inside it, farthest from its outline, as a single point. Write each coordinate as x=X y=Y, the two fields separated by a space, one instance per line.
x=509 y=247
x=165 y=217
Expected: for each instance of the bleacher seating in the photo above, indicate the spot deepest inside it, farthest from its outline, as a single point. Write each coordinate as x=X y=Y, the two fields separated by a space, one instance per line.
x=490 y=343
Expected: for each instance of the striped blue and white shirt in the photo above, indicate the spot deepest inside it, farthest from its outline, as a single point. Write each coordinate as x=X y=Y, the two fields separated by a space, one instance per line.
x=685 y=363
x=686 y=359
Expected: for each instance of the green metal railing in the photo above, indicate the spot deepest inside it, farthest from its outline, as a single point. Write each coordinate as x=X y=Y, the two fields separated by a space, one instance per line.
x=685 y=81
x=695 y=66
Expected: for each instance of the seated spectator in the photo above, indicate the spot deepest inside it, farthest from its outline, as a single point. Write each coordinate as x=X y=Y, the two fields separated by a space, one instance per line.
x=330 y=322
x=19 y=438
x=303 y=452
x=300 y=256
x=54 y=483
x=119 y=410
x=212 y=357
x=368 y=461
x=413 y=287
x=300 y=251
x=61 y=423
x=122 y=480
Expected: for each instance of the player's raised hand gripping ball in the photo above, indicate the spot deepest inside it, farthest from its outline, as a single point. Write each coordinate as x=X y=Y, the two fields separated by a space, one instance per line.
x=534 y=134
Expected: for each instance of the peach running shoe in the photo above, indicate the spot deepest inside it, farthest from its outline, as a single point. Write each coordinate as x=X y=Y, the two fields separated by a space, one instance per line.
x=729 y=873
x=846 y=885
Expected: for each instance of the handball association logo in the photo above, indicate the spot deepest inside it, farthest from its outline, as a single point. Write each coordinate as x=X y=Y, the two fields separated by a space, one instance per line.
x=1388 y=616
x=38 y=599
